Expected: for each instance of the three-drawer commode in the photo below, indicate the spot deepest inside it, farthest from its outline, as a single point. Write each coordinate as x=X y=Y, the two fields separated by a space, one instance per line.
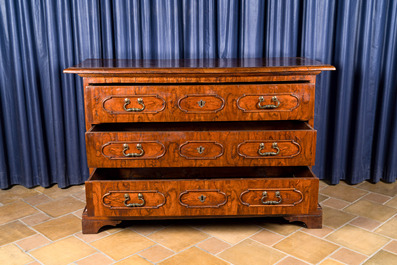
x=200 y=138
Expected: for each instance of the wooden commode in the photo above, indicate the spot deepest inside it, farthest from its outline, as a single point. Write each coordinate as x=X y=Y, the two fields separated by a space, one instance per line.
x=200 y=138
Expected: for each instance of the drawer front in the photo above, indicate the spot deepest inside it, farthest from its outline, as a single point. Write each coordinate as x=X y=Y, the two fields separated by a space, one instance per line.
x=198 y=149
x=169 y=103
x=216 y=197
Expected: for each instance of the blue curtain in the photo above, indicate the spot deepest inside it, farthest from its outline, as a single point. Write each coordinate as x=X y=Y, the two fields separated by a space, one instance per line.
x=41 y=109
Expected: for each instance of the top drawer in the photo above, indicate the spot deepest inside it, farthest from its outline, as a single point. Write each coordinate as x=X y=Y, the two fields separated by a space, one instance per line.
x=173 y=103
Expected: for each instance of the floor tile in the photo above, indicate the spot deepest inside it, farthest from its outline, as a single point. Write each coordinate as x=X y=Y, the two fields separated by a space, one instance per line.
x=306 y=247
x=62 y=252
x=349 y=257
x=249 y=252
x=358 y=239
x=392 y=202
x=331 y=262
x=389 y=189
x=392 y=247
x=231 y=233
x=376 y=197
x=156 y=253
x=56 y=193
x=122 y=244
x=382 y=258
x=291 y=261
x=97 y=259
x=322 y=184
x=389 y=228
x=91 y=237
x=134 y=260
x=177 y=238
x=371 y=210
x=35 y=219
x=14 y=231
x=61 y=207
x=266 y=237
x=335 y=218
x=284 y=229
x=16 y=193
x=146 y=229
x=194 y=256
x=213 y=245
x=365 y=223
x=80 y=195
x=59 y=227
x=15 y=210
x=322 y=198
x=37 y=199
x=343 y=192
x=336 y=203
x=32 y=242
x=12 y=255
x=319 y=232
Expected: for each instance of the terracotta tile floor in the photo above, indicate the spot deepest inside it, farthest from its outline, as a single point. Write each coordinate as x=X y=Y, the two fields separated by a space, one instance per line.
x=43 y=226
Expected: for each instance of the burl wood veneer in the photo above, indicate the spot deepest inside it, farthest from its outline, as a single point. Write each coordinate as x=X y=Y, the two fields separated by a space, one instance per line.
x=203 y=138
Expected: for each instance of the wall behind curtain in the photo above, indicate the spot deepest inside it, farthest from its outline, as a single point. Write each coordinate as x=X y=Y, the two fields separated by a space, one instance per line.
x=41 y=109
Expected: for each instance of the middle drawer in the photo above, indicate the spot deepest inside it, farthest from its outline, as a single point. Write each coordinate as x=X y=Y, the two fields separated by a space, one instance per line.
x=220 y=144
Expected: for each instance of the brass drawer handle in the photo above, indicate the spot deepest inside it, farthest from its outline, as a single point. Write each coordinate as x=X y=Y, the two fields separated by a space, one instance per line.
x=270 y=106
x=262 y=146
x=138 y=146
x=140 y=197
x=127 y=102
x=278 y=196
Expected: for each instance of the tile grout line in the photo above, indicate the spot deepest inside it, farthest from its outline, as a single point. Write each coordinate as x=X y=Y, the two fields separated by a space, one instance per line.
x=26 y=252
x=98 y=251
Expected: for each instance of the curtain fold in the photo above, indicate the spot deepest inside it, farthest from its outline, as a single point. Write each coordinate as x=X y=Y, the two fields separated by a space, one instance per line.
x=42 y=110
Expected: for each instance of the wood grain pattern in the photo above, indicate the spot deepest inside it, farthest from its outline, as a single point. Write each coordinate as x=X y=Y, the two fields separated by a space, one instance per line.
x=201 y=150
x=305 y=182
x=240 y=148
x=202 y=198
x=169 y=103
x=198 y=66
x=114 y=104
x=201 y=103
x=116 y=200
x=253 y=197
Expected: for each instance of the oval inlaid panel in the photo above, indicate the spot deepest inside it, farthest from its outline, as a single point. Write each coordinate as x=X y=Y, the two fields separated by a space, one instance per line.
x=201 y=150
x=117 y=199
x=288 y=149
x=249 y=103
x=202 y=198
x=255 y=197
x=115 y=104
x=201 y=103
x=151 y=150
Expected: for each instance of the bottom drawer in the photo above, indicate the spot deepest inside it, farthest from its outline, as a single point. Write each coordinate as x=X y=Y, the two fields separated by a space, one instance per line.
x=201 y=192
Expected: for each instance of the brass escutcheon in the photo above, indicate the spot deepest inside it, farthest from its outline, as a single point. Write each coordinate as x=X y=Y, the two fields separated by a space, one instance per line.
x=201 y=103
x=202 y=198
x=200 y=149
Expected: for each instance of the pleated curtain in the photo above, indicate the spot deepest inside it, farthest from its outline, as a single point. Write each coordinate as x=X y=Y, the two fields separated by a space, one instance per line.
x=42 y=109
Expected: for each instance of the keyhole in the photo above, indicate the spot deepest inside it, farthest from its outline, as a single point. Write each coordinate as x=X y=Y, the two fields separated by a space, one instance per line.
x=202 y=198
x=200 y=149
x=201 y=103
